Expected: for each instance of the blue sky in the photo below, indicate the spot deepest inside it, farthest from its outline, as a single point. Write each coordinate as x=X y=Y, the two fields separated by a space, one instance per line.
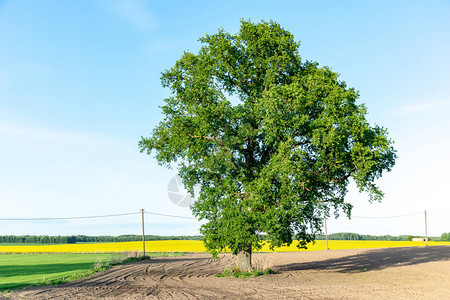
x=79 y=86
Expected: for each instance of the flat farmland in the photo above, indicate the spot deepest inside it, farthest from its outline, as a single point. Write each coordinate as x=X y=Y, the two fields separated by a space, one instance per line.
x=382 y=273
x=197 y=246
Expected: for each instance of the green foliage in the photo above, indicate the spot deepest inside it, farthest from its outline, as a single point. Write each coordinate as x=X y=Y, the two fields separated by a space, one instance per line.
x=37 y=239
x=275 y=160
x=445 y=237
x=148 y=256
x=228 y=272
x=134 y=259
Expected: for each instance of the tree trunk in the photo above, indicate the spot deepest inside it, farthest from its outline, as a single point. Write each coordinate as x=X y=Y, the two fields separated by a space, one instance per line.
x=244 y=260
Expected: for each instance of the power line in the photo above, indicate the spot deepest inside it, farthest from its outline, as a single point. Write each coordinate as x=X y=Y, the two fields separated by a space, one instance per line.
x=67 y=218
x=93 y=217
x=172 y=216
x=164 y=215
x=386 y=217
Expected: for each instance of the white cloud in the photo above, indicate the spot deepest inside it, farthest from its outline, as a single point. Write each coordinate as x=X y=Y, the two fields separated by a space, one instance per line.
x=20 y=130
x=156 y=46
x=54 y=172
x=418 y=182
x=136 y=13
x=424 y=107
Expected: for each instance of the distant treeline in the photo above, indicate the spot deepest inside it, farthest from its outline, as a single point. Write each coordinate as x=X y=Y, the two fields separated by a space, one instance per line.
x=349 y=236
x=445 y=237
x=72 y=239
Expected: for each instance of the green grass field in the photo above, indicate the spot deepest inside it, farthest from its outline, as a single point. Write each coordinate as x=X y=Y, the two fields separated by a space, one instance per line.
x=22 y=244
x=25 y=269
x=18 y=270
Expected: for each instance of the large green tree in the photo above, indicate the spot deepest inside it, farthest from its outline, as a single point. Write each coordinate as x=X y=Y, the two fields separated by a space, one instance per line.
x=273 y=140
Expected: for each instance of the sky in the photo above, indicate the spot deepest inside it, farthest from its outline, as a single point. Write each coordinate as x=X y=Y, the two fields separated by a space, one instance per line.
x=80 y=84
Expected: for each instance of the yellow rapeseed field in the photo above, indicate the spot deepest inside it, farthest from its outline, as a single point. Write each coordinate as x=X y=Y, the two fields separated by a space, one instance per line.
x=197 y=246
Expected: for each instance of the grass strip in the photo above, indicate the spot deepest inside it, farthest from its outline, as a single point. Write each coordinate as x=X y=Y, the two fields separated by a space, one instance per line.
x=243 y=275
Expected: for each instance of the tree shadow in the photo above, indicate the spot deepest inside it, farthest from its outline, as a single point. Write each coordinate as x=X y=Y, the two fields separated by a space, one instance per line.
x=376 y=259
x=42 y=269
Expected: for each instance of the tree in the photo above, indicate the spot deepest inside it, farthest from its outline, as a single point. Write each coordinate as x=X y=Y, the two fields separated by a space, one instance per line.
x=270 y=162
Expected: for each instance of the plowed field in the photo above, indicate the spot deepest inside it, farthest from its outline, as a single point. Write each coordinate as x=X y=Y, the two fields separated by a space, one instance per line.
x=389 y=273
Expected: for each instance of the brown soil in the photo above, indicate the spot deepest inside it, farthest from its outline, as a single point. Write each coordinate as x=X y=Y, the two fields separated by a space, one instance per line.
x=390 y=273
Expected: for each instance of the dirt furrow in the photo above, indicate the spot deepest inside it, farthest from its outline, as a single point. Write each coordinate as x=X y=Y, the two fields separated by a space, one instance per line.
x=412 y=273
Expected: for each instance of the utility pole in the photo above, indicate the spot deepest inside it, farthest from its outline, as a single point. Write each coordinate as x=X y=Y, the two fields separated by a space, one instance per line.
x=143 y=233
x=325 y=223
x=426 y=230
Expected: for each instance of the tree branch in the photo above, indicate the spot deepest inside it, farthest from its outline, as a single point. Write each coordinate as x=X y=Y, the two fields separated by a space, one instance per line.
x=214 y=139
x=220 y=144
